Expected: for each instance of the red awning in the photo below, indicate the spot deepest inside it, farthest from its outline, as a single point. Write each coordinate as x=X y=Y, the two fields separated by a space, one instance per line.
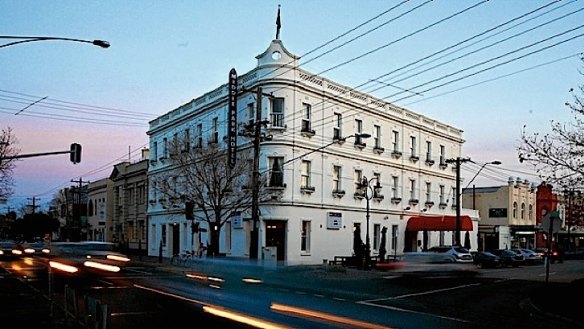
x=438 y=223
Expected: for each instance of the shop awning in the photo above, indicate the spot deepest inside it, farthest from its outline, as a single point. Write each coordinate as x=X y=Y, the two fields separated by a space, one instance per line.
x=438 y=223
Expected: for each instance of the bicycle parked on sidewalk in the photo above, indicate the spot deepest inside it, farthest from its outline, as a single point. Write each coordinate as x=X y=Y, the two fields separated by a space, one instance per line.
x=182 y=258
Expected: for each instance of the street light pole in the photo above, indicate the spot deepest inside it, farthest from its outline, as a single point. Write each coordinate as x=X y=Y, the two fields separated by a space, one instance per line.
x=366 y=186
x=22 y=39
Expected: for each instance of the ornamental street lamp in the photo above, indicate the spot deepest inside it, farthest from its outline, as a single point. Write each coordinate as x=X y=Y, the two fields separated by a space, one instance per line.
x=20 y=39
x=375 y=191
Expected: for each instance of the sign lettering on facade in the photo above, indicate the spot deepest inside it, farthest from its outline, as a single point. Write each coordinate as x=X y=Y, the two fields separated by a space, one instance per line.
x=334 y=220
x=232 y=126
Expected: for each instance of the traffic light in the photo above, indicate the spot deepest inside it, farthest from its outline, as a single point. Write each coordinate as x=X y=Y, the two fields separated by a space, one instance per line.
x=75 y=155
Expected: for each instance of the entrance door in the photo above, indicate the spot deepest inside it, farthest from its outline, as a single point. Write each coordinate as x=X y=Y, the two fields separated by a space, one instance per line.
x=276 y=237
x=175 y=239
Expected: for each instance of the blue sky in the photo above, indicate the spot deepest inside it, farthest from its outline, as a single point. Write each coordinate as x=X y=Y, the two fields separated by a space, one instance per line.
x=165 y=53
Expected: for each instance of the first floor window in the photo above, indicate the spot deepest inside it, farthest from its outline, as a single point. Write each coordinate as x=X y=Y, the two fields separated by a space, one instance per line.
x=276 y=174
x=305 y=175
x=376 y=236
x=337 y=178
x=305 y=236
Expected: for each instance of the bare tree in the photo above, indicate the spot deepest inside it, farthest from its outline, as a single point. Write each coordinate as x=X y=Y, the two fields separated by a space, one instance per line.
x=7 y=162
x=202 y=177
x=558 y=156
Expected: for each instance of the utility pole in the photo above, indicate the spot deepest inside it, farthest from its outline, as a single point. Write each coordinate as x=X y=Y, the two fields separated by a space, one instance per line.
x=77 y=204
x=34 y=205
x=457 y=162
x=255 y=213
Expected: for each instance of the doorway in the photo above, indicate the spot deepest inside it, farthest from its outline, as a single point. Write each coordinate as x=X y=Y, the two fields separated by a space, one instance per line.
x=276 y=237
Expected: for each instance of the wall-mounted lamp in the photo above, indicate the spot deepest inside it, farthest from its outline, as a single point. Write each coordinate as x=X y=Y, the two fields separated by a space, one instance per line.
x=407 y=208
x=386 y=217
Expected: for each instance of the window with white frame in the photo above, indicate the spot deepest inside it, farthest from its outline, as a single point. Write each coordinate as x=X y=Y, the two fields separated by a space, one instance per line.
x=357 y=177
x=442 y=155
x=164 y=148
x=413 y=189
x=305 y=236
x=394 y=232
x=199 y=141
x=154 y=152
x=306 y=109
x=395 y=187
x=522 y=210
x=305 y=175
x=413 y=146
x=442 y=201
x=337 y=129
x=250 y=114
x=377 y=137
x=377 y=194
x=277 y=112
x=215 y=136
x=428 y=151
x=276 y=173
x=428 y=192
x=358 y=131
x=187 y=142
x=454 y=198
x=530 y=212
x=337 y=187
x=174 y=147
x=395 y=141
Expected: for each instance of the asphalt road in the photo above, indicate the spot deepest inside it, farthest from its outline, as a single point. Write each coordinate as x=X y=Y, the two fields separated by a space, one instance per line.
x=524 y=297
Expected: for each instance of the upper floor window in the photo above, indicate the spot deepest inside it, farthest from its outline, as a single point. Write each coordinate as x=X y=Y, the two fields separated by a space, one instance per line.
x=337 y=187
x=377 y=136
x=454 y=197
x=514 y=209
x=250 y=114
x=395 y=187
x=428 y=192
x=357 y=179
x=306 y=112
x=199 y=140
x=442 y=155
x=522 y=210
x=305 y=175
x=428 y=151
x=530 y=215
x=358 y=132
x=276 y=173
x=154 y=153
x=412 y=189
x=277 y=112
x=215 y=135
x=165 y=147
x=442 y=200
x=413 y=151
x=395 y=141
x=337 y=129
x=187 y=141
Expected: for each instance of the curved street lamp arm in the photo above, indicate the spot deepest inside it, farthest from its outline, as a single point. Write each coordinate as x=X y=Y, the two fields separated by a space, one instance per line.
x=100 y=43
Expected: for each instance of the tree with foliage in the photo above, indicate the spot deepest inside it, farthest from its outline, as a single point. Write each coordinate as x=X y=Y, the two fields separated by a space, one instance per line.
x=558 y=156
x=7 y=161
x=202 y=176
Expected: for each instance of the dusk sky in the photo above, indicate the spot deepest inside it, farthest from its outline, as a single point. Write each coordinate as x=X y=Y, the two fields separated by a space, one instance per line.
x=486 y=67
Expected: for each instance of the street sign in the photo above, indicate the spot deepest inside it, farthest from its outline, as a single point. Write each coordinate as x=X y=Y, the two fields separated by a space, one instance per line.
x=551 y=222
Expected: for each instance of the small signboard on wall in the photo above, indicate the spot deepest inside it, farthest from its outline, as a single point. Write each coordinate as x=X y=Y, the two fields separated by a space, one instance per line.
x=236 y=221
x=334 y=220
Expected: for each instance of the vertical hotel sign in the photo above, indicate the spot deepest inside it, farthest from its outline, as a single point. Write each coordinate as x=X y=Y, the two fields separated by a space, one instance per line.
x=231 y=148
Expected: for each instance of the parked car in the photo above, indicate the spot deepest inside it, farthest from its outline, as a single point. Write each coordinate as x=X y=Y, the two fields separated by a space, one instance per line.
x=509 y=257
x=530 y=256
x=453 y=254
x=485 y=259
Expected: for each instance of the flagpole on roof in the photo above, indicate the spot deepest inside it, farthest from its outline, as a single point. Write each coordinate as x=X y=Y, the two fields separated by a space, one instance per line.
x=278 y=24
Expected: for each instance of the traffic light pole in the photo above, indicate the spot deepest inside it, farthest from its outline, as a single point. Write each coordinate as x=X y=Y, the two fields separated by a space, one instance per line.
x=32 y=155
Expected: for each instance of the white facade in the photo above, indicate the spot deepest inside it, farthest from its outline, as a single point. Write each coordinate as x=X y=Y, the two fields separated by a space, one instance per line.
x=314 y=208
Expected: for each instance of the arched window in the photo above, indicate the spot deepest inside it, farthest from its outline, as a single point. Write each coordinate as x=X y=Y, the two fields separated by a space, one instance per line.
x=522 y=210
x=530 y=212
x=514 y=209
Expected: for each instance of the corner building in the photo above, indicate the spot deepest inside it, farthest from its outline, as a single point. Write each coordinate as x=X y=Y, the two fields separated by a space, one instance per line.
x=314 y=158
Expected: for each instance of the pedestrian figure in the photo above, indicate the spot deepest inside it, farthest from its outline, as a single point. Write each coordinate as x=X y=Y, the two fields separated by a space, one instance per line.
x=382 y=250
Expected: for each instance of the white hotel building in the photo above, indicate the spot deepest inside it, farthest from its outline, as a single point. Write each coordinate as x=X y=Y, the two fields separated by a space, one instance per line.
x=316 y=205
